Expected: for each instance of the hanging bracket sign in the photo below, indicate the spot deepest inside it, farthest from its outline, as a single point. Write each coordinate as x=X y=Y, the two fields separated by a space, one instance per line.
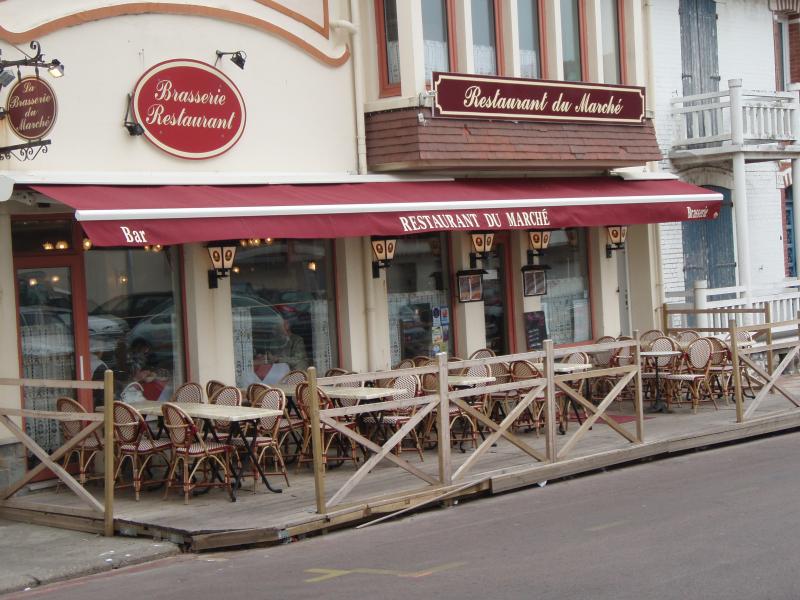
x=462 y=96
x=189 y=109
x=31 y=108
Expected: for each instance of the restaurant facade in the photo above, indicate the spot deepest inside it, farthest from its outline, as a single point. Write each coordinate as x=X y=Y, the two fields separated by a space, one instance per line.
x=238 y=189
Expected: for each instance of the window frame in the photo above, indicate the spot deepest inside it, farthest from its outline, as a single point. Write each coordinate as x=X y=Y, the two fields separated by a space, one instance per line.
x=385 y=89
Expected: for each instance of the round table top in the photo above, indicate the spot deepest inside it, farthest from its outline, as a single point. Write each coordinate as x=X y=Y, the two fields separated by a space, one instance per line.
x=660 y=353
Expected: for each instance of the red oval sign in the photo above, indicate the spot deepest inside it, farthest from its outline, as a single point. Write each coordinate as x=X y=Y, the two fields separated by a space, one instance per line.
x=189 y=109
x=31 y=108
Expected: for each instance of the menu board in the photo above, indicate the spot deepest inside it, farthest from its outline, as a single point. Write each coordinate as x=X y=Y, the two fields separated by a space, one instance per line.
x=535 y=330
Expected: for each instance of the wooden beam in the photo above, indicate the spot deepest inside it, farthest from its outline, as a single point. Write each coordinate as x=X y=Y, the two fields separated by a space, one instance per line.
x=43 y=456
x=52 y=414
x=53 y=383
x=578 y=397
x=762 y=393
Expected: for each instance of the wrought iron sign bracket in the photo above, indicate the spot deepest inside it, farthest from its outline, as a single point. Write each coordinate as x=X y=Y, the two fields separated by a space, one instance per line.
x=26 y=151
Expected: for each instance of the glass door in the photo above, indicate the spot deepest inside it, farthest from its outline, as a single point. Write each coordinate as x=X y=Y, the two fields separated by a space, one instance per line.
x=495 y=297
x=50 y=343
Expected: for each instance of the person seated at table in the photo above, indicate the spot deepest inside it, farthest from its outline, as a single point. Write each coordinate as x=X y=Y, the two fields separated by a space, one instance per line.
x=289 y=348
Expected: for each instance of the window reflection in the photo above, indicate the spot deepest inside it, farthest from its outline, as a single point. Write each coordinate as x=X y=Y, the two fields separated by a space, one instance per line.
x=529 y=46
x=283 y=305
x=135 y=322
x=392 y=43
x=609 y=17
x=571 y=40
x=484 y=46
x=419 y=309
x=436 y=36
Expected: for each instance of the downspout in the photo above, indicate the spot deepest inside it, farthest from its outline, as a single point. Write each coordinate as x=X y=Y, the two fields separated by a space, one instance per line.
x=353 y=29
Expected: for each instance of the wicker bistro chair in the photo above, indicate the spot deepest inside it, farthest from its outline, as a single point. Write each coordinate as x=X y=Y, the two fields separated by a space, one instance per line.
x=135 y=442
x=686 y=337
x=86 y=450
x=721 y=371
x=695 y=379
x=329 y=435
x=499 y=401
x=290 y=428
x=666 y=365
x=188 y=392
x=391 y=421
x=406 y=363
x=648 y=337
x=267 y=435
x=480 y=402
x=602 y=360
x=212 y=387
x=188 y=446
x=225 y=396
x=574 y=358
x=533 y=416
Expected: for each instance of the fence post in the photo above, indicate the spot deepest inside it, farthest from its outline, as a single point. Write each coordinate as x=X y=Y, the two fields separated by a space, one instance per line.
x=638 y=397
x=701 y=302
x=316 y=440
x=737 y=374
x=767 y=320
x=550 y=402
x=443 y=422
x=108 y=451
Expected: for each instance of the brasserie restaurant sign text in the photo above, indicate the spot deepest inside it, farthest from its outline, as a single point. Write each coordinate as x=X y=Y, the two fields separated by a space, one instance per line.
x=189 y=109
x=504 y=98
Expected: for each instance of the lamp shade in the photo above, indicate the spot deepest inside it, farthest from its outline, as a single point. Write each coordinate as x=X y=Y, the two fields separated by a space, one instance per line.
x=617 y=234
x=383 y=248
x=539 y=239
x=482 y=241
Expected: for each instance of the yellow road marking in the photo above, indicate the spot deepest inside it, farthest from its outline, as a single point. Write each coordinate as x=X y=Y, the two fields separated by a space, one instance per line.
x=326 y=574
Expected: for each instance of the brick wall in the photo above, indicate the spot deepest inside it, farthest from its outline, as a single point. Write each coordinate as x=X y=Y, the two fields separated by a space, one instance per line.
x=794 y=52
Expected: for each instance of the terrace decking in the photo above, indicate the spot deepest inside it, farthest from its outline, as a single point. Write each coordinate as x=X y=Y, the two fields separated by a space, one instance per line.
x=212 y=521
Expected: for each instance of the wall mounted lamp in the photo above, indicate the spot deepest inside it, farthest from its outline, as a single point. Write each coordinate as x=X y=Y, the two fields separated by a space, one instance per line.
x=482 y=242
x=238 y=57
x=383 y=253
x=616 y=238
x=54 y=67
x=538 y=240
x=130 y=123
x=222 y=255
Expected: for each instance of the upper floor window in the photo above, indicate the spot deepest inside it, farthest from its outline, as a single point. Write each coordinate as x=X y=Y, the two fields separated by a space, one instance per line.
x=436 y=34
x=571 y=39
x=612 y=55
x=484 y=37
x=530 y=46
x=388 y=47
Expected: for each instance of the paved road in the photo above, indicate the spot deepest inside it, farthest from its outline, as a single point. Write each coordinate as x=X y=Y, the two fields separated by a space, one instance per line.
x=719 y=524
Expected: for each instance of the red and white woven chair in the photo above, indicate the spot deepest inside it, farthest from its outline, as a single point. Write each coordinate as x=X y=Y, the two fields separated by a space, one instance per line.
x=267 y=442
x=533 y=415
x=225 y=396
x=391 y=421
x=189 y=392
x=648 y=337
x=189 y=449
x=134 y=441
x=667 y=365
x=212 y=387
x=290 y=429
x=695 y=378
x=87 y=449
x=346 y=446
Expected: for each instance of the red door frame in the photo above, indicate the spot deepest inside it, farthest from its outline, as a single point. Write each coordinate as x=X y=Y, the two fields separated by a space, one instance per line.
x=507 y=288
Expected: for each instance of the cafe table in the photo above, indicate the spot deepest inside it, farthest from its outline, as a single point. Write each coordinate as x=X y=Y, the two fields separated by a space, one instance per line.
x=464 y=381
x=235 y=415
x=659 y=405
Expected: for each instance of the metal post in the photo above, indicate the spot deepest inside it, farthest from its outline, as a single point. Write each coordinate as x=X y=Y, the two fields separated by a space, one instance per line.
x=550 y=402
x=316 y=440
x=737 y=374
x=108 y=451
x=443 y=422
x=638 y=397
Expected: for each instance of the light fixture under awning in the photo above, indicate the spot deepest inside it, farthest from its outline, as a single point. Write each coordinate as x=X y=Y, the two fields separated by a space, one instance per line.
x=139 y=215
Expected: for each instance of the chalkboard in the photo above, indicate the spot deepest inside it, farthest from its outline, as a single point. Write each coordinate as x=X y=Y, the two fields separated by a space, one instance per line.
x=535 y=329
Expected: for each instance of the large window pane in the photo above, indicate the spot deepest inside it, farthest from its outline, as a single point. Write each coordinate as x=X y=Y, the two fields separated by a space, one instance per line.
x=392 y=45
x=284 y=315
x=419 y=309
x=484 y=44
x=436 y=36
x=571 y=40
x=529 y=45
x=135 y=320
x=566 y=304
x=609 y=16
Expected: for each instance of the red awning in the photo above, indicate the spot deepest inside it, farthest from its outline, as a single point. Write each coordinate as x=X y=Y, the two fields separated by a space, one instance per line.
x=138 y=215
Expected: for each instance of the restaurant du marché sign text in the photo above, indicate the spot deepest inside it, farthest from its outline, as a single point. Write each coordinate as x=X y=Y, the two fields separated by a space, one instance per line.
x=503 y=98
x=189 y=109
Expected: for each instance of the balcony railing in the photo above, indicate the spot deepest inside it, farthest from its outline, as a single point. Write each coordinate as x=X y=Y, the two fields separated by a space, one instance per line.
x=735 y=117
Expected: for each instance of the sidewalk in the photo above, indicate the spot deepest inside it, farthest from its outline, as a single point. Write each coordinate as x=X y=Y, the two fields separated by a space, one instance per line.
x=32 y=555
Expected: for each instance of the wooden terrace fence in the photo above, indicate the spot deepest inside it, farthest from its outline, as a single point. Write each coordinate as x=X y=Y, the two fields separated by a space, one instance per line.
x=444 y=397
x=55 y=514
